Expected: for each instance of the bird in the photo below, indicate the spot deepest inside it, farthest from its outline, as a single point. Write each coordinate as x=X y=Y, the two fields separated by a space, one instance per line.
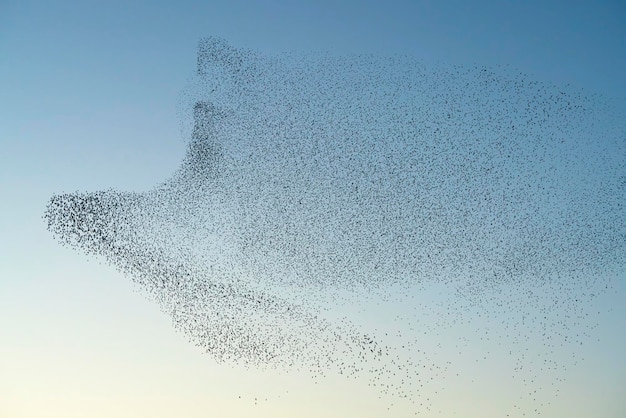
x=313 y=185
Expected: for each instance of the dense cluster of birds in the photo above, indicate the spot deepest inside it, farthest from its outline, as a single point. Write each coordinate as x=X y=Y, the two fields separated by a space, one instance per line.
x=316 y=185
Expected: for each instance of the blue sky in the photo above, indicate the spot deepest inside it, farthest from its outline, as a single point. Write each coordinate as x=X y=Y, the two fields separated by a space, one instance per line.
x=90 y=97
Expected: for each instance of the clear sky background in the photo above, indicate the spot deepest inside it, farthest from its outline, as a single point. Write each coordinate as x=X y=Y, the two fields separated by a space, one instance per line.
x=88 y=101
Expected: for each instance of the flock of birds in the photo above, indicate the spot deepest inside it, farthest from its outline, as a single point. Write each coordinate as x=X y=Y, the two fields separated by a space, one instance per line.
x=316 y=185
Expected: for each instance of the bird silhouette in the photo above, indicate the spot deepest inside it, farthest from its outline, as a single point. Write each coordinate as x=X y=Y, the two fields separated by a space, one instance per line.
x=314 y=183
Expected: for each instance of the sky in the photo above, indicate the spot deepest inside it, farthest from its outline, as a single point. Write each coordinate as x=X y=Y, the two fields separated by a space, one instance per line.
x=90 y=95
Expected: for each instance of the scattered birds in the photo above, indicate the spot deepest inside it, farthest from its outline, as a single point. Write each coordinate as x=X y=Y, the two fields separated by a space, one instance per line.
x=315 y=186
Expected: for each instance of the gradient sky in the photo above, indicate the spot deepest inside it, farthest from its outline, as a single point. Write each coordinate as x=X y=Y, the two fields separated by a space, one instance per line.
x=89 y=95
